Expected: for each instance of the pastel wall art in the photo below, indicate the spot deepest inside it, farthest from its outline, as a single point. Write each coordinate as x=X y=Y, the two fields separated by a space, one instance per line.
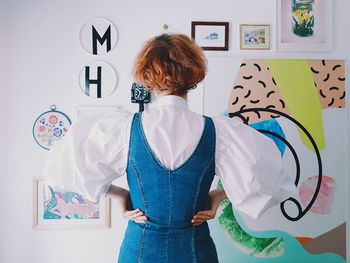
x=50 y=126
x=56 y=208
x=300 y=105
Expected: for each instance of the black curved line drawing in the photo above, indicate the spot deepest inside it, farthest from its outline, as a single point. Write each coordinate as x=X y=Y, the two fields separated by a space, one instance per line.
x=274 y=82
x=245 y=120
x=314 y=70
x=262 y=83
x=235 y=102
x=257 y=66
x=248 y=94
x=322 y=95
x=301 y=212
x=331 y=102
x=282 y=102
x=336 y=66
x=327 y=77
x=342 y=96
x=269 y=94
x=291 y=148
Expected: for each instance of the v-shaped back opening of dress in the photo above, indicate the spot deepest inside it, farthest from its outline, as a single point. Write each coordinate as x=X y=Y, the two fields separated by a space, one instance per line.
x=154 y=156
x=169 y=199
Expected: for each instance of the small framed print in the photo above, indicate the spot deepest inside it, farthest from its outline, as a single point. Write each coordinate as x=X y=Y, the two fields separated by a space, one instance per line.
x=55 y=208
x=254 y=37
x=211 y=35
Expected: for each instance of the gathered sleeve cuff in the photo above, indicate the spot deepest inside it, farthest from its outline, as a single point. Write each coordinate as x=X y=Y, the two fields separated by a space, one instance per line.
x=91 y=155
x=249 y=166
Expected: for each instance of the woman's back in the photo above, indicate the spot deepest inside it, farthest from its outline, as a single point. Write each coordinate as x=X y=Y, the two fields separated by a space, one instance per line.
x=170 y=161
x=169 y=198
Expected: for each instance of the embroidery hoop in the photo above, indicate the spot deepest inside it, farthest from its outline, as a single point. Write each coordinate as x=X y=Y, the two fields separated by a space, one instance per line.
x=60 y=117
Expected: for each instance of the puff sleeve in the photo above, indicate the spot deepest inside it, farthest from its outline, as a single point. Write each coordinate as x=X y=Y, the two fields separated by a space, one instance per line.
x=249 y=166
x=91 y=155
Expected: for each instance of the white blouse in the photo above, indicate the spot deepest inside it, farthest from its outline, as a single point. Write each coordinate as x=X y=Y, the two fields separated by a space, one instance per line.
x=94 y=153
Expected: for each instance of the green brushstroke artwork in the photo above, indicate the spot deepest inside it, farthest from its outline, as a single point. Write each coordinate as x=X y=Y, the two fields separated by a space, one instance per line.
x=254 y=246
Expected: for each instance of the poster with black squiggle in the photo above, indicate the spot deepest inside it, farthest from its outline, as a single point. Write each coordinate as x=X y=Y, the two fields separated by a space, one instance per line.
x=301 y=105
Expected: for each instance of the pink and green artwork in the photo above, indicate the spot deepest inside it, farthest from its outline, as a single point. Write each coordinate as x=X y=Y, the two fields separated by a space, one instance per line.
x=68 y=205
x=300 y=105
x=56 y=208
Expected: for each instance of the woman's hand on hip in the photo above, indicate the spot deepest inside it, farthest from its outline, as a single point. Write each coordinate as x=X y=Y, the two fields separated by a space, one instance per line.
x=123 y=197
x=135 y=215
x=215 y=197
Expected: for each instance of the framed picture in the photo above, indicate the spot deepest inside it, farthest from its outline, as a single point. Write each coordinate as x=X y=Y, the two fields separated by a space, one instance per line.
x=55 y=208
x=254 y=37
x=210 y=35
x=304 y=25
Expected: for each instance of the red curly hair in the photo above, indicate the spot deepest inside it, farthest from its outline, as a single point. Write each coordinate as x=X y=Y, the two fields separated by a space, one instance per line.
x=172 y=64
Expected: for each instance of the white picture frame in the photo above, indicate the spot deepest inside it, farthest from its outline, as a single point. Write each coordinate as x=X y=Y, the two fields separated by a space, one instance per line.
x=321 y=38
x=46 y=216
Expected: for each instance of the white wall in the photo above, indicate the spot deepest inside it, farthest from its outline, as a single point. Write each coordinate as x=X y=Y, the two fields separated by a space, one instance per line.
x=40 y=61
x=4 y=81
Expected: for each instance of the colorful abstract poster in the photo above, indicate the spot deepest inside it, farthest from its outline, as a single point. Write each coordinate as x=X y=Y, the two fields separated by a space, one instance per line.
x=300 y=104
x=56 y=208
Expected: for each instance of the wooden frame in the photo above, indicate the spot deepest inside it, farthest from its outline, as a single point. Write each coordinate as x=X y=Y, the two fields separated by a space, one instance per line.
x=254 y=37
x=52 y=221
x=211 y=35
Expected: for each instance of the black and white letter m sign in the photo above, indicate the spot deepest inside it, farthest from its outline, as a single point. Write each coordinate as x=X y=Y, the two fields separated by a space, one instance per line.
x=98 y=36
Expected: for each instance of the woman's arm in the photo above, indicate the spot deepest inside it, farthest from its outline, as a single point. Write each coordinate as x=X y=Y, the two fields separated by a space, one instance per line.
x=123 y=197
x=215 y=197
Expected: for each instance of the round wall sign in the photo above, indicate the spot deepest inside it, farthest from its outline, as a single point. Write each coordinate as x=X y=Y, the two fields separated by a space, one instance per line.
x=98 y=79
x=98 y=36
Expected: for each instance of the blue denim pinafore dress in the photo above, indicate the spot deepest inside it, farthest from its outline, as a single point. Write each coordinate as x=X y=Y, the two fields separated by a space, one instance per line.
x=169 y=198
